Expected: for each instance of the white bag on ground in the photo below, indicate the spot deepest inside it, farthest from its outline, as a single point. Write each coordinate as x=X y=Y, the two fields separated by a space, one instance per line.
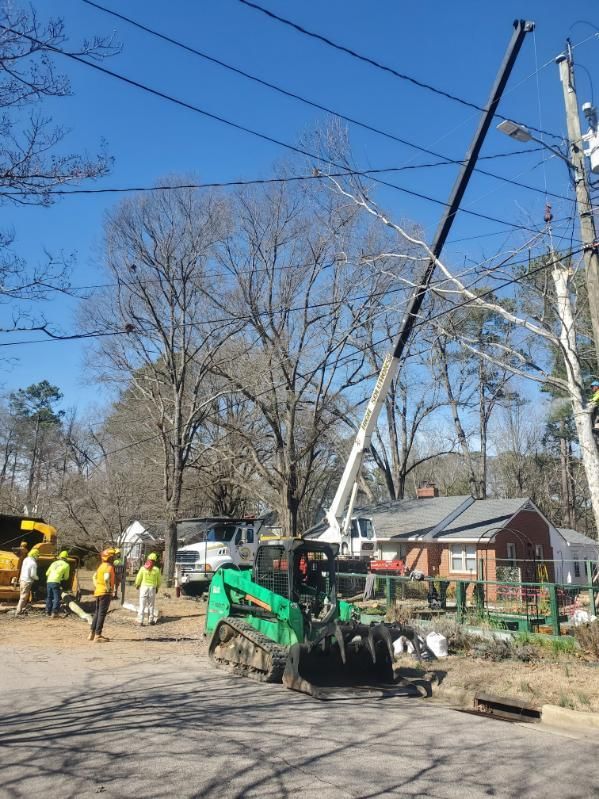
x=401 y=645
x=437 y=644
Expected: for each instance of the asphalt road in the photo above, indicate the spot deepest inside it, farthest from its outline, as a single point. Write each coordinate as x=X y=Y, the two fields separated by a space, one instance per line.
x=170 y=725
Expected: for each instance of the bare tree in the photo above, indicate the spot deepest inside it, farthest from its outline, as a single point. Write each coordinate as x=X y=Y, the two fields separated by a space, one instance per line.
x=300 y=290
x=534 y=330
x=161 y=341
x=32 y=161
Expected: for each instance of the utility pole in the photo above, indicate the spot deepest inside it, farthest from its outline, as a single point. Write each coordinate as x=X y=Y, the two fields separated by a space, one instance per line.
x=588 y=232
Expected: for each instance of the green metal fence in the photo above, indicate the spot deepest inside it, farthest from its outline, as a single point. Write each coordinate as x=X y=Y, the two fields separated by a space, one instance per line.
x=527 y=606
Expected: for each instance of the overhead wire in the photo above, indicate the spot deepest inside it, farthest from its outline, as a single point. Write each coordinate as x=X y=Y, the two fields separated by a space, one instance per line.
x=251 y=131
x=377 y=64
x=281 y=309
x=421 y=322
x=295 y=96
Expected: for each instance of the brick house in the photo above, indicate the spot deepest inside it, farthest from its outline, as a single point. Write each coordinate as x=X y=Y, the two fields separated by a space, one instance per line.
x=463 y=538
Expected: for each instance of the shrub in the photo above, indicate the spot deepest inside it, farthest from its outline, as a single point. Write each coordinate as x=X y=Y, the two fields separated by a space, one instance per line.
x=493 y=649
x=587 y=636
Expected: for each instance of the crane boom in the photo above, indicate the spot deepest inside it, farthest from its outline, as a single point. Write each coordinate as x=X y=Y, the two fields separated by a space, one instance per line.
x=392 y=362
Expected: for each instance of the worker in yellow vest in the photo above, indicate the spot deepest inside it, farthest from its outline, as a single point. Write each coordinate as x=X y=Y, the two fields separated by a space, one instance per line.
x=148 y=582
x=58 y=572
x=104 y=589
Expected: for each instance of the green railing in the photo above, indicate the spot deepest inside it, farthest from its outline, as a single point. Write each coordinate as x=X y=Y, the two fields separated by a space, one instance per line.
x=526 y=606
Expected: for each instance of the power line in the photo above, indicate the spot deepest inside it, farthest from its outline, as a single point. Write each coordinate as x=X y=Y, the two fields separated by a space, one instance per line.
x=321 y=107
x=291 y=179
x=130 y=330
x=370 y=345
x=390 y=70
x=251 y=131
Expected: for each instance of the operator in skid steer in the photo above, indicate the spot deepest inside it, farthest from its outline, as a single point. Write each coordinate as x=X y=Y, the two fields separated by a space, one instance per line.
x=284 y=622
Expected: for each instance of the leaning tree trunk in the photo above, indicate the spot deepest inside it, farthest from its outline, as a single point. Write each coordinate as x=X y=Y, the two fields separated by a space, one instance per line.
x=589 y=454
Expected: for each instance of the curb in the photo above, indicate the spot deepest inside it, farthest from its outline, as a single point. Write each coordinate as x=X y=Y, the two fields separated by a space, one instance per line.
x=460 y=697
x=573 y=719
x=551 y=715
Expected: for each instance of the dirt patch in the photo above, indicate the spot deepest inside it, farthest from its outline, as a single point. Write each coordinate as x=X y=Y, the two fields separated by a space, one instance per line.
x=180 y=624
x=568 y=683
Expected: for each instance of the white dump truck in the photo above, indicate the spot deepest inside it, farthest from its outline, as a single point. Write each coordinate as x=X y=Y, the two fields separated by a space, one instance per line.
x=214 y=542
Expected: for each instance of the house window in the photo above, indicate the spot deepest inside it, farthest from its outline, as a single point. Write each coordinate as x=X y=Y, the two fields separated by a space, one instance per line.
x=511 y=553
x=463 y=557
x=576 y=569
x=538 y=551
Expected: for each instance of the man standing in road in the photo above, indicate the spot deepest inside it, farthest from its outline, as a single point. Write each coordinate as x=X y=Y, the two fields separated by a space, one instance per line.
x=104 y=588
x=26 y=579
x=148 y=582
x=58 y=572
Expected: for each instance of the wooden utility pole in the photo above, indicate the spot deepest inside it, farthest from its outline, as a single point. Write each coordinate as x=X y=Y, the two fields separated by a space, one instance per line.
x=588 y=232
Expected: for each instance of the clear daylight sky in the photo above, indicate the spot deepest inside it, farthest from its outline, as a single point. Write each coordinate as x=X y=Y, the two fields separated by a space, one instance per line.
x=456 y=46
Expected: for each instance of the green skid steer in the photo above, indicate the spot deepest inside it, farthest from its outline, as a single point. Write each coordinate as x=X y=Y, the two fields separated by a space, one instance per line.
x=282 y=621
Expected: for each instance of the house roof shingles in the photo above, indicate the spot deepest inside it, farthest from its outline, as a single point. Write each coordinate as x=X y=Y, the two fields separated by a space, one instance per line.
x=441 y=519
x=575 y=538
x=481 y=519
x=413 y=517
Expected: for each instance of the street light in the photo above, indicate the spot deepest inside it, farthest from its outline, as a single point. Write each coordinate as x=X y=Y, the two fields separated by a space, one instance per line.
x=522 y=134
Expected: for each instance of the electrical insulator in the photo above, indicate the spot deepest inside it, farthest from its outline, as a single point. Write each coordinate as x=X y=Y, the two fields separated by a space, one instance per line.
x=591 y=139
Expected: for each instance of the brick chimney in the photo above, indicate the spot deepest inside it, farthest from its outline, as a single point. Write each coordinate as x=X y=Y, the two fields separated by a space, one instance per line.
x=427 y=491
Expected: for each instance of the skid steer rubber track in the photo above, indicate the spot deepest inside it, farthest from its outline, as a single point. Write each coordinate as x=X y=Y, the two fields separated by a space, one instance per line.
x=240 y=649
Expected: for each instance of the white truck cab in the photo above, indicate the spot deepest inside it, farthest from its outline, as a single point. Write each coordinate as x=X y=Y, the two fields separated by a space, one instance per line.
x=360 y=540
x=357 y=540
x=222 y=542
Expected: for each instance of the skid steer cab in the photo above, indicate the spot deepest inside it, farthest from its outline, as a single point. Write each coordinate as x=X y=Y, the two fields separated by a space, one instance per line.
x=225 y=543
x=283 y=622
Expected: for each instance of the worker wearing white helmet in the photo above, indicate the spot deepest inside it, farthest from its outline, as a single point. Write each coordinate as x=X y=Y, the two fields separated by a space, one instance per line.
x=27 y=577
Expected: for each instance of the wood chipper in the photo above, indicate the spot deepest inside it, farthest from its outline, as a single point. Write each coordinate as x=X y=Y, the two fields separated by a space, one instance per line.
x=43 y=536
x=282 y=621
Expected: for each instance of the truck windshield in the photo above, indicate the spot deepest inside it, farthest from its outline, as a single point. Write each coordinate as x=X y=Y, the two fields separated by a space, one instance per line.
x=221 y=532
x=366 y=530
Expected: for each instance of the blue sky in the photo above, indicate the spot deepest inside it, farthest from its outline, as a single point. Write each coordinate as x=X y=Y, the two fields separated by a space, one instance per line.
x=456 y=46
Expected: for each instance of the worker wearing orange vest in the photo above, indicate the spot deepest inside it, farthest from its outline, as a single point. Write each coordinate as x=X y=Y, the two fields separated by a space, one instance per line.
x=104 y=589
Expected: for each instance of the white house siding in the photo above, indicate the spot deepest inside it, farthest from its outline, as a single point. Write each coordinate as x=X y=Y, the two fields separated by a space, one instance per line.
x=567 y=555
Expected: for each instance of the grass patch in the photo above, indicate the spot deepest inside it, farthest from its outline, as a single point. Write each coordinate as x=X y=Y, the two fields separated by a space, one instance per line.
x=565 y=701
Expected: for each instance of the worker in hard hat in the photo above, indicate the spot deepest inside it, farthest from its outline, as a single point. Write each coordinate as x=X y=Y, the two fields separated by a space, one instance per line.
x=103 y=590
x=148 y=582
x=119 y=571
x=58 y=572
x=27 y=577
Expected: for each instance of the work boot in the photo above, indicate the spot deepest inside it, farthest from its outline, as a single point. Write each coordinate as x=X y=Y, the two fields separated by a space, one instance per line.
x=91 y=635
x=55 y=616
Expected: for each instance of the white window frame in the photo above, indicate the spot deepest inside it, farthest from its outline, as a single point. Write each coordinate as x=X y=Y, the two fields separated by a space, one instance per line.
x=464 y=558
x=539 y=555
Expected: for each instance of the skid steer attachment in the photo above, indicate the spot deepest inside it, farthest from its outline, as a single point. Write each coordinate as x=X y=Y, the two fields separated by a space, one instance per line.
x=283 y=622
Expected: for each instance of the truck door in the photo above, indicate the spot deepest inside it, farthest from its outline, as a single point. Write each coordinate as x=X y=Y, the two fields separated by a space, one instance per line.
x=243 y=546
